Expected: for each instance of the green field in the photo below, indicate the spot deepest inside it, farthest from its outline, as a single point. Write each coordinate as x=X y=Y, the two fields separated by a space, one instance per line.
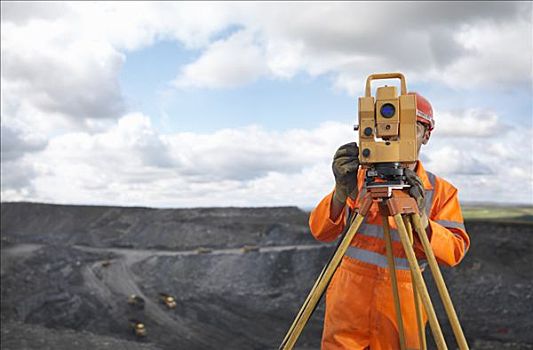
x=498 y=213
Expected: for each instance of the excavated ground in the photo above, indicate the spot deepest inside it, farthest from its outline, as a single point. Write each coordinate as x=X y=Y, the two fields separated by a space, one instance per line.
x=67 y=271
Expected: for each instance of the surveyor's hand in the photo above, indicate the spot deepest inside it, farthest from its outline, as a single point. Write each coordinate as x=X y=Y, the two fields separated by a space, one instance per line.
x=345 y=166
x=417 y=192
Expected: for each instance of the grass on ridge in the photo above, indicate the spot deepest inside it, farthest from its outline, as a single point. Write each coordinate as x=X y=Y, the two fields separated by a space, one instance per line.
x=499 y=213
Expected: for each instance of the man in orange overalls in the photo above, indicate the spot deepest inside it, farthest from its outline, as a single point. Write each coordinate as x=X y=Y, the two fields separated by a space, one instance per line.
x=360 y=310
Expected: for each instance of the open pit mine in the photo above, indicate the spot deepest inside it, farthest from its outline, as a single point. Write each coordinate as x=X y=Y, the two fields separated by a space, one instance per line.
x=94 y=277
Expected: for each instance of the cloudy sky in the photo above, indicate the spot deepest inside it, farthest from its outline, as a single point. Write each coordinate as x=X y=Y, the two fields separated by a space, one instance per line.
x=244 y=104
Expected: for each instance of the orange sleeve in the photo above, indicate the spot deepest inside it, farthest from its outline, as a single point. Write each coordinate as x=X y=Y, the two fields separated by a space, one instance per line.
x=322 y=227
x=449 y=239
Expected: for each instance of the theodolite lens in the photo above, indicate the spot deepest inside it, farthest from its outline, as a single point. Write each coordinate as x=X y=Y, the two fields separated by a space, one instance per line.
x=387 y=110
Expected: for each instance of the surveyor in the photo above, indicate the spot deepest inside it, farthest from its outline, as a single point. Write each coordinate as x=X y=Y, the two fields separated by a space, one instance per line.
x=360 y=311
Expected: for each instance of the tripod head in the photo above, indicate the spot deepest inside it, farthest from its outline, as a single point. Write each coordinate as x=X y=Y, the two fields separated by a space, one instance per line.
x=386 y=174
x=388 y=184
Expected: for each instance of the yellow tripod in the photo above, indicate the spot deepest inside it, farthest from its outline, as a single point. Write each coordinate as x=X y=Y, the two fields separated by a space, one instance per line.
x=395 y=202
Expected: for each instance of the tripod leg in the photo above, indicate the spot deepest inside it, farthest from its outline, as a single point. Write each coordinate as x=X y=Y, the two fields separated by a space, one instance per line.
x=418 y=310
x=320 y=276
x=320 y=286
x=441 y=285
x=394 y=280
x=419 y=284
x=419 y=321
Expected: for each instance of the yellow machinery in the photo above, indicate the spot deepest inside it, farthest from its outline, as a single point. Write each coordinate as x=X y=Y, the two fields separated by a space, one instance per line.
x=138 y=328
x=168 y=300
x=136 y=301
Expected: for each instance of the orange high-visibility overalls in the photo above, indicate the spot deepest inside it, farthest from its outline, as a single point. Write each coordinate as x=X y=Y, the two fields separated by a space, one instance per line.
x=360 y=310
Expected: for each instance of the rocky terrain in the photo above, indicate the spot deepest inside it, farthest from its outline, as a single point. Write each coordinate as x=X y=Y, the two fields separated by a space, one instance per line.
x=239 y=275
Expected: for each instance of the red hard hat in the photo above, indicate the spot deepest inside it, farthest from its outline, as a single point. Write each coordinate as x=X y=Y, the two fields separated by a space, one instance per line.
x=424 y=111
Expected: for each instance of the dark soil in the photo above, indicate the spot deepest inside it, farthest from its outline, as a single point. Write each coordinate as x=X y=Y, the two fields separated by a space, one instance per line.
x=67 y=272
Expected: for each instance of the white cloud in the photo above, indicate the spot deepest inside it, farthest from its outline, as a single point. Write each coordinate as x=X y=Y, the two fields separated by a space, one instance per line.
x=126 y=25
x=70 y=139
x=460 y=44
x=15 y=143
x=452 y=160
x=16 y=179
x=21 y=12
x=132 y=164
x=63 y=59
x=495 y=54
x=284 y=58
x=231 y=62
x=49 y=68
x=495 y=169
x=468 y=123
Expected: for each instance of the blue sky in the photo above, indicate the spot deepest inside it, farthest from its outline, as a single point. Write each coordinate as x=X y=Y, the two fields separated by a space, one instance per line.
x=180 y=104
x=278 y=104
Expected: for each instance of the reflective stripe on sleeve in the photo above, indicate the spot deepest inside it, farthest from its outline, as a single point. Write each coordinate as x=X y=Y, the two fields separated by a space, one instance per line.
x=432 y=178
x=451 y=224
x=429 y=193
x=380 y=260
x=428 y=202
